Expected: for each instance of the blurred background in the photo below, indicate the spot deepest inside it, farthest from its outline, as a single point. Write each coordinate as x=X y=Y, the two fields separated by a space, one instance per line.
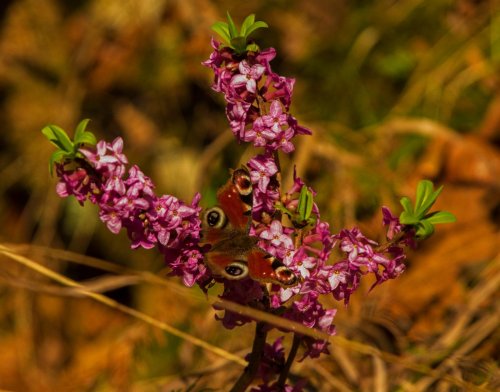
x=394 y=91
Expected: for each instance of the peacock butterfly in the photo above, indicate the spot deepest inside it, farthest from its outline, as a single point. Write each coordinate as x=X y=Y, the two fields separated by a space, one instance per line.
x=234 y=254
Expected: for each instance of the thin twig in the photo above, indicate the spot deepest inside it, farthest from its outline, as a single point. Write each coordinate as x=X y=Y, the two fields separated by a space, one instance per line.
x=289 y=361
x=254 y=361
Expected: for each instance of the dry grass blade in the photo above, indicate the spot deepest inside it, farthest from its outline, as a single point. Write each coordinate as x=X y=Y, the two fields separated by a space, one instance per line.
x=122 y=308
x=476 y=334
x=380 y=371
x=148 y=277
x=231 y=306
x=334 y=382
x=485 y=289
x=422 y=126
x=96 y=285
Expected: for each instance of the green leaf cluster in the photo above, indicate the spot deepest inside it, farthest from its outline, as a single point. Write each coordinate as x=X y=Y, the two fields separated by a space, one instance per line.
x=238 y=41
x=303 y=215
x=67 y=149
x=418 y=215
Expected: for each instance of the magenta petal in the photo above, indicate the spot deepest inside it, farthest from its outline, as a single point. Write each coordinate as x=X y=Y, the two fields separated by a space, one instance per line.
x=251 y=86
x=275 y=110
x=238 y=80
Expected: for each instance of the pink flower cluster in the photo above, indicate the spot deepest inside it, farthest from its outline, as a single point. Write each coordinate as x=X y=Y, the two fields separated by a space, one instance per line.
x=364 y=256
x=127 y=200
x=310 y=260
x=258 y=99
x=258 y=102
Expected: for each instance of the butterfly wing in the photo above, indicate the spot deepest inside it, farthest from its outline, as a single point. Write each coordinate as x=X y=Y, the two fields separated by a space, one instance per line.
x=234 y=254
x=266 y=268
x=235 y=198
x=235 y=264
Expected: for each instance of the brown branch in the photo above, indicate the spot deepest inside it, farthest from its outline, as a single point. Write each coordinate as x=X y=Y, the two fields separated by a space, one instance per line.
x=254 y=361
x=289 y=361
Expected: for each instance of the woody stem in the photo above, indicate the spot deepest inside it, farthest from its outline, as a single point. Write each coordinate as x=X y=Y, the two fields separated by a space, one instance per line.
x=289 y=360
x=254 y=361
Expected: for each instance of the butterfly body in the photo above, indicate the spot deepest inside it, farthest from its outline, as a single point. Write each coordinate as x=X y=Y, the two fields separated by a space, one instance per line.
x=234 y=254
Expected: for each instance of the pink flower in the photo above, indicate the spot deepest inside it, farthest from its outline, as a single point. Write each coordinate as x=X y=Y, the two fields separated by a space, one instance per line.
x=392 y=221
x=259 y=135
x=237 y=114
x=304 y=263
x=263 y=168
x=99 y=158
x=275 y=235
x=248 y=76
x=276 y=120
x=336 y=278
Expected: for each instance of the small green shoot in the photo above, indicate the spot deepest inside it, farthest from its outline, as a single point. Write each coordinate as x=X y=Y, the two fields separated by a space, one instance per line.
x=238 y=41
x=67 y=149
x=418 y=215
x=303 y=214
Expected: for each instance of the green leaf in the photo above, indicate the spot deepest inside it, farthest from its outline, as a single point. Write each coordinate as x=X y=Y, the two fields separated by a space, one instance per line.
x=253 y=47
x=233 y=32
x=255 y=26
x=57 y=156
x=249 y=21
x=441 y=217
x=305 y=205
x=407 y=218
x=424 y=190
x=80 y=129
x=424 y=229
x=309 y=204
x=426 y=206
x=426 y=197
x=58 y=137
x=302 y=206
x=222 y=29
x=239 y=44
x=82 y=136
x=406 y=203
x=87 y=138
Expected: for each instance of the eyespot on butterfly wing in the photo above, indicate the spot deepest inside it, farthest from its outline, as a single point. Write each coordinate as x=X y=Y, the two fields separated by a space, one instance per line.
x=234 y=254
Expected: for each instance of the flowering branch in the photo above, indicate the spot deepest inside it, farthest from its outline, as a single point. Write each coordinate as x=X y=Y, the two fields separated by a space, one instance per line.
x=258 y=110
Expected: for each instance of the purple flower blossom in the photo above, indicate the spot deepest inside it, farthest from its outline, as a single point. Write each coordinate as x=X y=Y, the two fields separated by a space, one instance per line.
x=263 y=202
x=77 y=183
x=131 y=203
x=392 y=221
x=259 y=135
x=189 y=265
x=275 y=235
x=243 y=292
x=249 y=76
x=339 y=276
x=276 y=120
x=256 y=115
x=265 y=56
x=283 y=142
x=237 y=114
x=310 y=312
x=304 y=263
x=100 y=159
x=263 y=168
